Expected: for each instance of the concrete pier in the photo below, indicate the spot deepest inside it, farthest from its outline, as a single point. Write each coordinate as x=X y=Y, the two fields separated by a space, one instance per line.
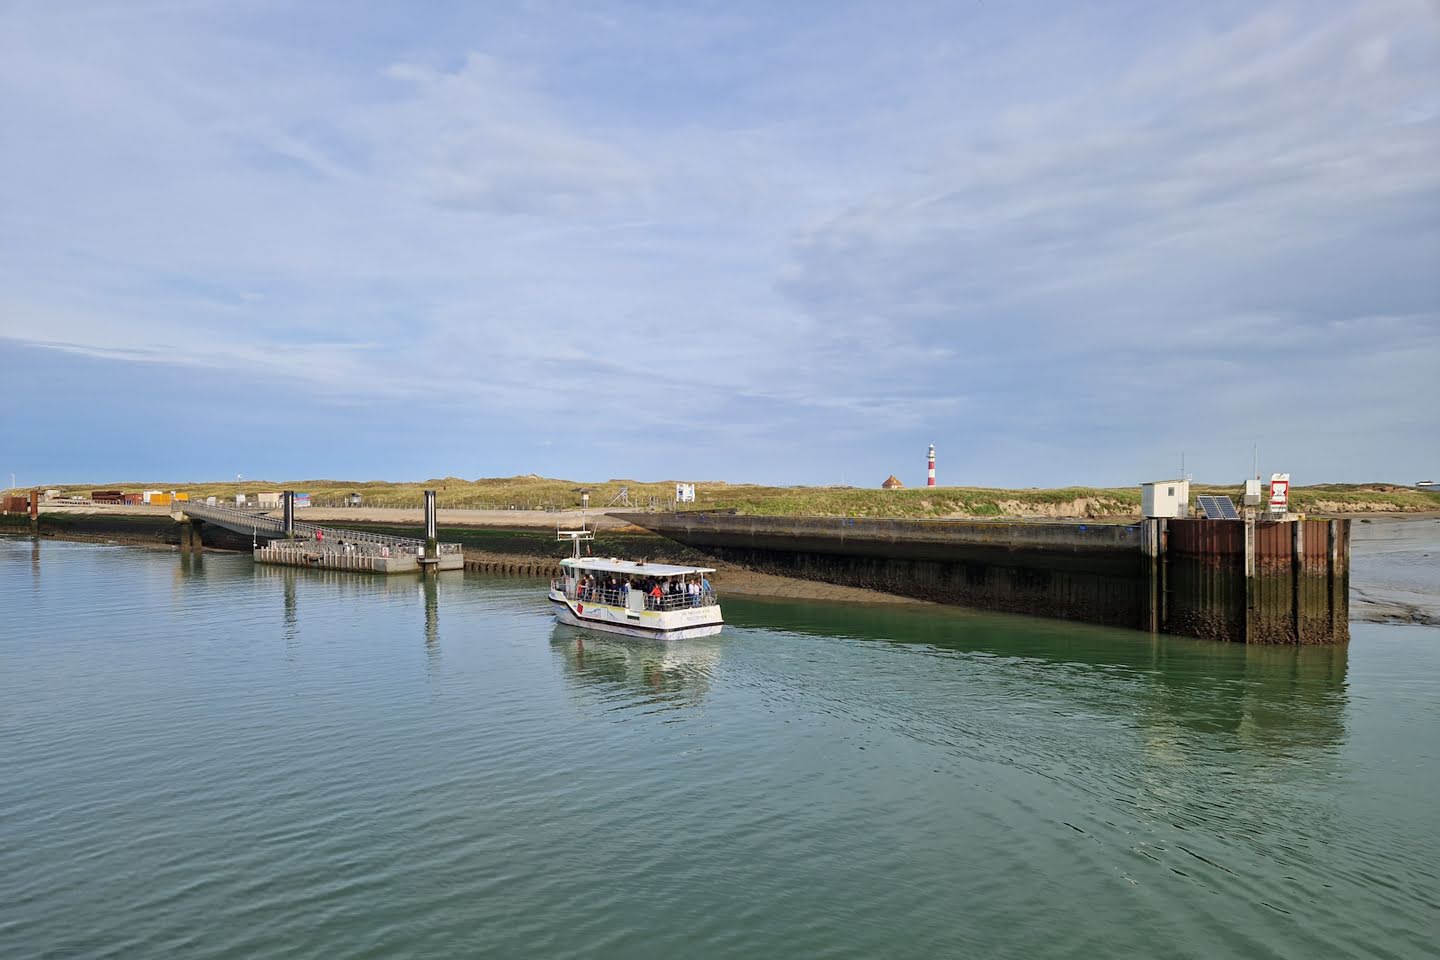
x=1180 y=576
x=292 y=543
x=334 y=556
x=191 y=538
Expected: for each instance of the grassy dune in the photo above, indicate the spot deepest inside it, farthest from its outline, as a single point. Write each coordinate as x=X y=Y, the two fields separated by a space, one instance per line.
x=532 y=492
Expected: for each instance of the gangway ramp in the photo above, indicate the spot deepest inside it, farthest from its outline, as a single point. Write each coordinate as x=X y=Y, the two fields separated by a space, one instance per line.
x=314 y=545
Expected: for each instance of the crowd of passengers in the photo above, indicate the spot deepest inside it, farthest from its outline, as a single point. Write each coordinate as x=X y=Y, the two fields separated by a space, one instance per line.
x=665 y=594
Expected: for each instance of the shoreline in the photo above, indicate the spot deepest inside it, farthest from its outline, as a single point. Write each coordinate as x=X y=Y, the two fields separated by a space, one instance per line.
x=604 y=519
x=730 y=578
x=1370 y=603
x=1367 y=609
x=742 y=582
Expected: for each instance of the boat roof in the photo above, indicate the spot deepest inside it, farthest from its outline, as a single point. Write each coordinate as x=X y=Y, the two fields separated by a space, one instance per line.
x=614 y=565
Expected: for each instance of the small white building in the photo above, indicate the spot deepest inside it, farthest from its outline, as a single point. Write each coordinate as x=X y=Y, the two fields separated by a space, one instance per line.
x=1165 y=498
x=684 y=493
x=268 y=499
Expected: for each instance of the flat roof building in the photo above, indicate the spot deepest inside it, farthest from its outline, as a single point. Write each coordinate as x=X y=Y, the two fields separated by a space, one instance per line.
x=1165 y=498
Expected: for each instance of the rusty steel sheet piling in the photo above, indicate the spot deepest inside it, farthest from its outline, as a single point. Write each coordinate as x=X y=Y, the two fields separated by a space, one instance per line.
x=1260 y=581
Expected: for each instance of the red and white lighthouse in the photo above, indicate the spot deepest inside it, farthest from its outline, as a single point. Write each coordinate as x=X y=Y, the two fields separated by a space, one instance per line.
x=930 y=476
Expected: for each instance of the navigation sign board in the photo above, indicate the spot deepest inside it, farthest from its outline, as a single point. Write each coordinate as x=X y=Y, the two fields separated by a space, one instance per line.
x=1279 y=492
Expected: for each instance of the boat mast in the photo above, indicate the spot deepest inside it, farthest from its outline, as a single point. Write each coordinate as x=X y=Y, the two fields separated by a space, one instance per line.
x=575 y=536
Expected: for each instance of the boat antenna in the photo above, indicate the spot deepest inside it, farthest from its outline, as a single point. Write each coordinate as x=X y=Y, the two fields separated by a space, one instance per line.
x=574 y=536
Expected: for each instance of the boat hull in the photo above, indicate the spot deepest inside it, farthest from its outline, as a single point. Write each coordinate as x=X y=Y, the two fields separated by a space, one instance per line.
x=679 y=625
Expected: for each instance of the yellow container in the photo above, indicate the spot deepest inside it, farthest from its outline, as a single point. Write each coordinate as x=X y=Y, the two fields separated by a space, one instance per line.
x=182 y=496
x=159 y=499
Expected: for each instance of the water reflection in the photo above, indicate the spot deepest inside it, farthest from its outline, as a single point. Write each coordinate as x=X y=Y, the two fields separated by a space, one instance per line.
x=1275 y=700
x=636 y=672
x=346 y=583
x=430 y=587
x=291 y=617
x=191 y=566
x=361 y=586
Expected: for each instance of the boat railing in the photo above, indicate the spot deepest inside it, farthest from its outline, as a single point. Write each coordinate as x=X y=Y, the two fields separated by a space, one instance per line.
x=620 y=598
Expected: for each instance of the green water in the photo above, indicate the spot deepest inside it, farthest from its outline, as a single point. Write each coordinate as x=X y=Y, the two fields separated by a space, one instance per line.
x=202 y=758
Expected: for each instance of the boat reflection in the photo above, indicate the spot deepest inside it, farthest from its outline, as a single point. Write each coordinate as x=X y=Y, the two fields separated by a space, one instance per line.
x=652 y=675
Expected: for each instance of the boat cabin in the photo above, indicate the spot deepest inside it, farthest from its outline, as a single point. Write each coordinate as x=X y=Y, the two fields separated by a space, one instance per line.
x=635 y=585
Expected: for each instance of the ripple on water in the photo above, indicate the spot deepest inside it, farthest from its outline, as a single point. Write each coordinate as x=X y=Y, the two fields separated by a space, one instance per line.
x=216 y=760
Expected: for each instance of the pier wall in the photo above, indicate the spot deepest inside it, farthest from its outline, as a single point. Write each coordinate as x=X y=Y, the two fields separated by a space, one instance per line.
x=144 y=529
x=1223 y=580
x=1091 y=572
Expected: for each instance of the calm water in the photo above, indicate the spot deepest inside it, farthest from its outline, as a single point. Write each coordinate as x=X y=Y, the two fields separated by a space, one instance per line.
x=203 y=758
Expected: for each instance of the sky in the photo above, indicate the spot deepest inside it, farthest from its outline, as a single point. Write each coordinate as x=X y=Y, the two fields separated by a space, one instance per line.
x=786 y=243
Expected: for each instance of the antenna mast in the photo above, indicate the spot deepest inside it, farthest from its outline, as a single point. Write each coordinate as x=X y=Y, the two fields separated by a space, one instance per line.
x=575 y=536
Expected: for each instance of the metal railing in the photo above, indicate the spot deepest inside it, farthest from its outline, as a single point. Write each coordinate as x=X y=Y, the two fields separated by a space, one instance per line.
x=620 y=598
x=326 y=538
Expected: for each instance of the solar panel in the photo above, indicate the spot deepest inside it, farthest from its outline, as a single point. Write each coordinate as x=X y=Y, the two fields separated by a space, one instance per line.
x=1218 y=508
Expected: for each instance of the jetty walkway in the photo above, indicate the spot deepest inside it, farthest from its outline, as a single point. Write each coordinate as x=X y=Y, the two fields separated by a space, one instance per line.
x=295 y=543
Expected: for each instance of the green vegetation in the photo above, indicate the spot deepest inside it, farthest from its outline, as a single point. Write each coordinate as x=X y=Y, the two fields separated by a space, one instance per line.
x=532 y=492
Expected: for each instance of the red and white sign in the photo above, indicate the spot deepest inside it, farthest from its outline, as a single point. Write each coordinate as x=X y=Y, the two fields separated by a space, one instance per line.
x=1279 y=492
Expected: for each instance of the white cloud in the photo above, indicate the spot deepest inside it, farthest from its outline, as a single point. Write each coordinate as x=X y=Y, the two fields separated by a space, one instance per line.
x=972 y=224
x=481 y=139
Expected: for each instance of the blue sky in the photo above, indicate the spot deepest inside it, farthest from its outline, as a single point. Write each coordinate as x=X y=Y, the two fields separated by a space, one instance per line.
x=787 y=243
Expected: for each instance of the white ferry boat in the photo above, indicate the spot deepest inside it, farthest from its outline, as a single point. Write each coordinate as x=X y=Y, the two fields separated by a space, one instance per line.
x=657 y=600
